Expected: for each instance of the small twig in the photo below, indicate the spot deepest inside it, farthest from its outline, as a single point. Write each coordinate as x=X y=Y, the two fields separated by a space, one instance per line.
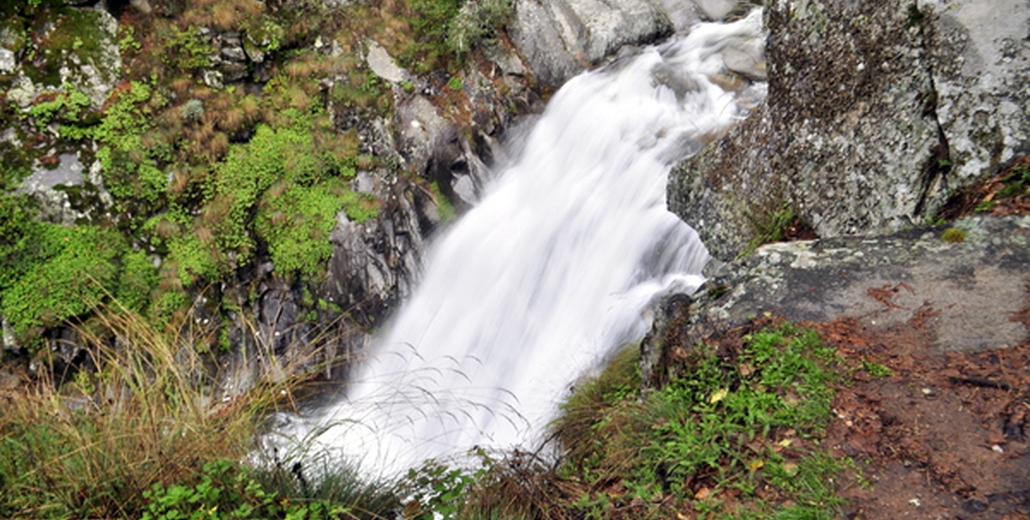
x=976 y=381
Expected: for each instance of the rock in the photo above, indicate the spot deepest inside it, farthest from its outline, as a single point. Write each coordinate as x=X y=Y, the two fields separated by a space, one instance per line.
x=560 y=38
x=44 y=184
x=966 y=292
x=8 y=64
x=230 y=59
x=419 y=125
x=849 y=139
x=95 y=74
x=746 y=59
x=23 y=92
x=375 y=263
x=142 y=5
x=78 y=49
x=383 y=65
x=980 y=60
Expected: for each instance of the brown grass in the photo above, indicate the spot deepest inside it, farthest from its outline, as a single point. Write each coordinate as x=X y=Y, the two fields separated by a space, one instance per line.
x=140 y=419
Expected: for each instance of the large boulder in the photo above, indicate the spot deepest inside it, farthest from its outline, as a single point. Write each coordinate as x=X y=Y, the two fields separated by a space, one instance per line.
x=872 y=120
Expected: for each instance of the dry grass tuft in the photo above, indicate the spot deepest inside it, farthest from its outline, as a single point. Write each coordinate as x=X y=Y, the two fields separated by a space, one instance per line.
x=91 y=448
x=143 y=409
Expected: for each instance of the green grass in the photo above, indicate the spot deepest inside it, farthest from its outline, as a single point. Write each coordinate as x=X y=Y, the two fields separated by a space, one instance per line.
x=742 y=424
x=139 y=435
x=735 y=433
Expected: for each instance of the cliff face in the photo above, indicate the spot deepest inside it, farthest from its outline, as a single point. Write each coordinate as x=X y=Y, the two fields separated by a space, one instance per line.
x=876 y=114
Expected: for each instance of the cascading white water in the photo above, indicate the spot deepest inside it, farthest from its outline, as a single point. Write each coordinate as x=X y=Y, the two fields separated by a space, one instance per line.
x=553 y=270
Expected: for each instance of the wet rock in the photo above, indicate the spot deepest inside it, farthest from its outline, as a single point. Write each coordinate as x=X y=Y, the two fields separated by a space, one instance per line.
x=67 y=192
x=560 y=38
x=375 y=263
x=875 y=115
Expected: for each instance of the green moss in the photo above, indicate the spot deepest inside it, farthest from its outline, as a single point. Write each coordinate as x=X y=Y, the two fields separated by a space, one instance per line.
x=69 y=284
x=194 y=259
x=286 y=188
x=296 y=221
x=22 y=239
x=249 y=170
x=953 y=235
x=131 y=159
x=50 y=273
x=135 y=286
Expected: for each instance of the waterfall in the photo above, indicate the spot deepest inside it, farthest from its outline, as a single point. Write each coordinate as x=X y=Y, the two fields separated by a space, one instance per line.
x=551 y=272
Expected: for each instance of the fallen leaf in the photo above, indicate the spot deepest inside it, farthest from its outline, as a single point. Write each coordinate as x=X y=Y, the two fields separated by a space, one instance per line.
x=719 y=395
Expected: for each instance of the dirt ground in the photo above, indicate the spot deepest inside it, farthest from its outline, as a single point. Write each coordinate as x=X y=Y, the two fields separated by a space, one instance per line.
x=943 y=437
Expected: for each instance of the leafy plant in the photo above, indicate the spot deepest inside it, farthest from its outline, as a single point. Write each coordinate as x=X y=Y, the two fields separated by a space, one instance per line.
x=876 y=369
x=768 y=228
x=437 y=491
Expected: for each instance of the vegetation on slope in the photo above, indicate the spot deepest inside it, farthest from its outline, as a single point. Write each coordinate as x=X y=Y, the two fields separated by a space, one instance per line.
x=212 y=166
x=735 y=433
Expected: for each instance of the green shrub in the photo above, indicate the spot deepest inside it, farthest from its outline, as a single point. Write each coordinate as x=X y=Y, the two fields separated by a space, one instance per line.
x=295 y=222
x=477 y=21
x=133 y=166
x=296 y=217
x=227 y=490
x=22 y=239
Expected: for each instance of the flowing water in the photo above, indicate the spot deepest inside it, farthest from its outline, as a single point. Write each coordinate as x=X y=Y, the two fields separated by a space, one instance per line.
x=551 y=272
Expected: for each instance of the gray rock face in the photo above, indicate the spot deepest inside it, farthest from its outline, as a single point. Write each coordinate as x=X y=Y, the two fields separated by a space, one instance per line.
x=375 y=263
x=875 y=114
x=848 y=138
x=980 y=60
x=968 y=292
x=50 y=188
x=560 y=38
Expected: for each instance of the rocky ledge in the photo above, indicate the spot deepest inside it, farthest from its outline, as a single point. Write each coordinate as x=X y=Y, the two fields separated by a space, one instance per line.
x=967 y=283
